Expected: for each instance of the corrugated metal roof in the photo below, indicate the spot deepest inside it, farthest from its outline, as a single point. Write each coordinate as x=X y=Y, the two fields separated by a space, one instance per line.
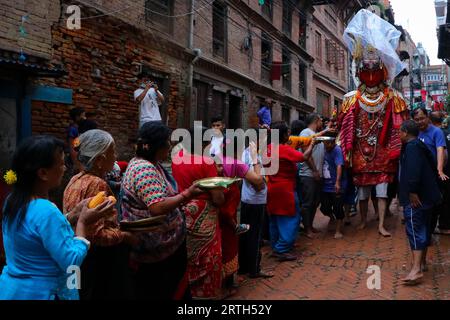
x=31 y=65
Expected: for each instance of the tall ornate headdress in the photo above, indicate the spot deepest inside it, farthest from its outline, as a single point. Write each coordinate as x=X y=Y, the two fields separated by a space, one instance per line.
x=368 y=34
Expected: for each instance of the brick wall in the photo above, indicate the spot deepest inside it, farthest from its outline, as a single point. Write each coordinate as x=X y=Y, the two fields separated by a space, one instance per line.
x=336 y=82
x=115 y=52
x=41 y=15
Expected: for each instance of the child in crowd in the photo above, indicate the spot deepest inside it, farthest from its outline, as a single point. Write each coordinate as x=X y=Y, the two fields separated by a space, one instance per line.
x=334 y=184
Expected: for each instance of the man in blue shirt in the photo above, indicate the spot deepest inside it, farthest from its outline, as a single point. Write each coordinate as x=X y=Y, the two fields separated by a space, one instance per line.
x=265 y=119
x=433 y=138
x=437 y=118
x=419 y=194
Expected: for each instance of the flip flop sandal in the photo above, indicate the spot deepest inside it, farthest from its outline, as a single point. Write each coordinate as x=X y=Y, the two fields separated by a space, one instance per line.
x=242 y=228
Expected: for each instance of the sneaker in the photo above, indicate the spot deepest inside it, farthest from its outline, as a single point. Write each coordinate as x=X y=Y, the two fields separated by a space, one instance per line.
x=241 y=228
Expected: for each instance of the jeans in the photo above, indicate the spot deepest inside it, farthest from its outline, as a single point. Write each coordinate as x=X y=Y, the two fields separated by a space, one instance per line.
x=284 y=230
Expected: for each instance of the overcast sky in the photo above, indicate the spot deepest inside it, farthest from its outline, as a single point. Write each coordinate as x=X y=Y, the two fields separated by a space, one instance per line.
x=419 y=18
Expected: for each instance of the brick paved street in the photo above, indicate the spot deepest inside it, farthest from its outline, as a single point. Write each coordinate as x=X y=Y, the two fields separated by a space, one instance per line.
x=336 y=269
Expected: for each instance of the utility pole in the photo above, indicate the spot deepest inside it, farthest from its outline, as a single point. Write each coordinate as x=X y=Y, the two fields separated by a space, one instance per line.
x=190 y=80
x=411 y=85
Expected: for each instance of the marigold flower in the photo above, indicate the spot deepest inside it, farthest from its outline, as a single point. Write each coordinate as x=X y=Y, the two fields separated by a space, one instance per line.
x=10 y=177
x=76 y=143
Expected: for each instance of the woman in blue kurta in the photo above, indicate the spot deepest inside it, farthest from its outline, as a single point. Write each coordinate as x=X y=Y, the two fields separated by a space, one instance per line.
x=42 y=250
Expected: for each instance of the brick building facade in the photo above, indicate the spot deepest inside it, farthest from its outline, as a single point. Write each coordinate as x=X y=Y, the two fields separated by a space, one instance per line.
x=235 y=79
x=330 y=70
x=248 y=52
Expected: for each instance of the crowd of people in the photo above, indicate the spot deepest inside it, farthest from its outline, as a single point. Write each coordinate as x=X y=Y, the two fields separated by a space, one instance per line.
x=210 y=239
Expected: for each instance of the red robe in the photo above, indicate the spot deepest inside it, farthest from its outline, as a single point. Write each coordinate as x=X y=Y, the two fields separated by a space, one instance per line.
x=375 y=161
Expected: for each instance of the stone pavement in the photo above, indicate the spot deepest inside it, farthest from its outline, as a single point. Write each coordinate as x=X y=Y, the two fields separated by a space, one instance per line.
x=336 y=269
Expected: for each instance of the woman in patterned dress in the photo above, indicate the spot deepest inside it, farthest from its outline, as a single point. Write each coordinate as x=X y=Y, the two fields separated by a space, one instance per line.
x=160 y=258
x=105 y=269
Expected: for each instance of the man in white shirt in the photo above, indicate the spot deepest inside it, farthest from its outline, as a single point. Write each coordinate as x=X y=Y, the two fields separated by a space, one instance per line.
x=149 y=98
x=218 y=126
x=311 y=175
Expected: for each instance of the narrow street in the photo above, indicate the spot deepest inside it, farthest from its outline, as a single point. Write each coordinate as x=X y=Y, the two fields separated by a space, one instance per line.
x=336 y=269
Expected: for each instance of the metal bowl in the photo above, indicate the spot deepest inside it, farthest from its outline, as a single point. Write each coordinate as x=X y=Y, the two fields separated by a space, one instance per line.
x=321 y=139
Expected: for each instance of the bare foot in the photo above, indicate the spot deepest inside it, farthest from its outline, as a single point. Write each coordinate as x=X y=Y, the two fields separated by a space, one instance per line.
x=361 y=226
x=383 y=232
x=412 y=278
x=338 y=235
x=424 y=267
x=442 y=231
x=314 y=230
x=310 y=235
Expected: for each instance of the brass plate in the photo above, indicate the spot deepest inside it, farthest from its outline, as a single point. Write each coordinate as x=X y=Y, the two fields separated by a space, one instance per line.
x=216 y=182
x=142 y=229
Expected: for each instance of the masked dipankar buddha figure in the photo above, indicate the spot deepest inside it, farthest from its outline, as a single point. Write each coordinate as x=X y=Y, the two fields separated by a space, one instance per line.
x=370 y=117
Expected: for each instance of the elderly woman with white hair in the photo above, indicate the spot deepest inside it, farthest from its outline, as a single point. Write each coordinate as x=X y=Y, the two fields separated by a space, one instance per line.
x=105 y=269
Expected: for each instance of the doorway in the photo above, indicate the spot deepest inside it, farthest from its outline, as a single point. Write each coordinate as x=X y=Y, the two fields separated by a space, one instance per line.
x=234 y=112
x=8 y=131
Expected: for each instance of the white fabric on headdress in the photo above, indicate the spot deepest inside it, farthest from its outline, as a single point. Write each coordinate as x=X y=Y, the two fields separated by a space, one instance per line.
x=372 y=30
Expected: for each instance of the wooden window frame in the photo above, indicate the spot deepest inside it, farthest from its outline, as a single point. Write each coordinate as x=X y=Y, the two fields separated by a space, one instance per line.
x=267 y=9
x=215 y=41
x=150 y=16
x=286 y=24
x=318 y=47
x=266 y=62
x=286 y=65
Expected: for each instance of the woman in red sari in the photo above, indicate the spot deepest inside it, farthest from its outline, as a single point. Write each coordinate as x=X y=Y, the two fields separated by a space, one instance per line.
x=204 y=242
x=229 y=166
